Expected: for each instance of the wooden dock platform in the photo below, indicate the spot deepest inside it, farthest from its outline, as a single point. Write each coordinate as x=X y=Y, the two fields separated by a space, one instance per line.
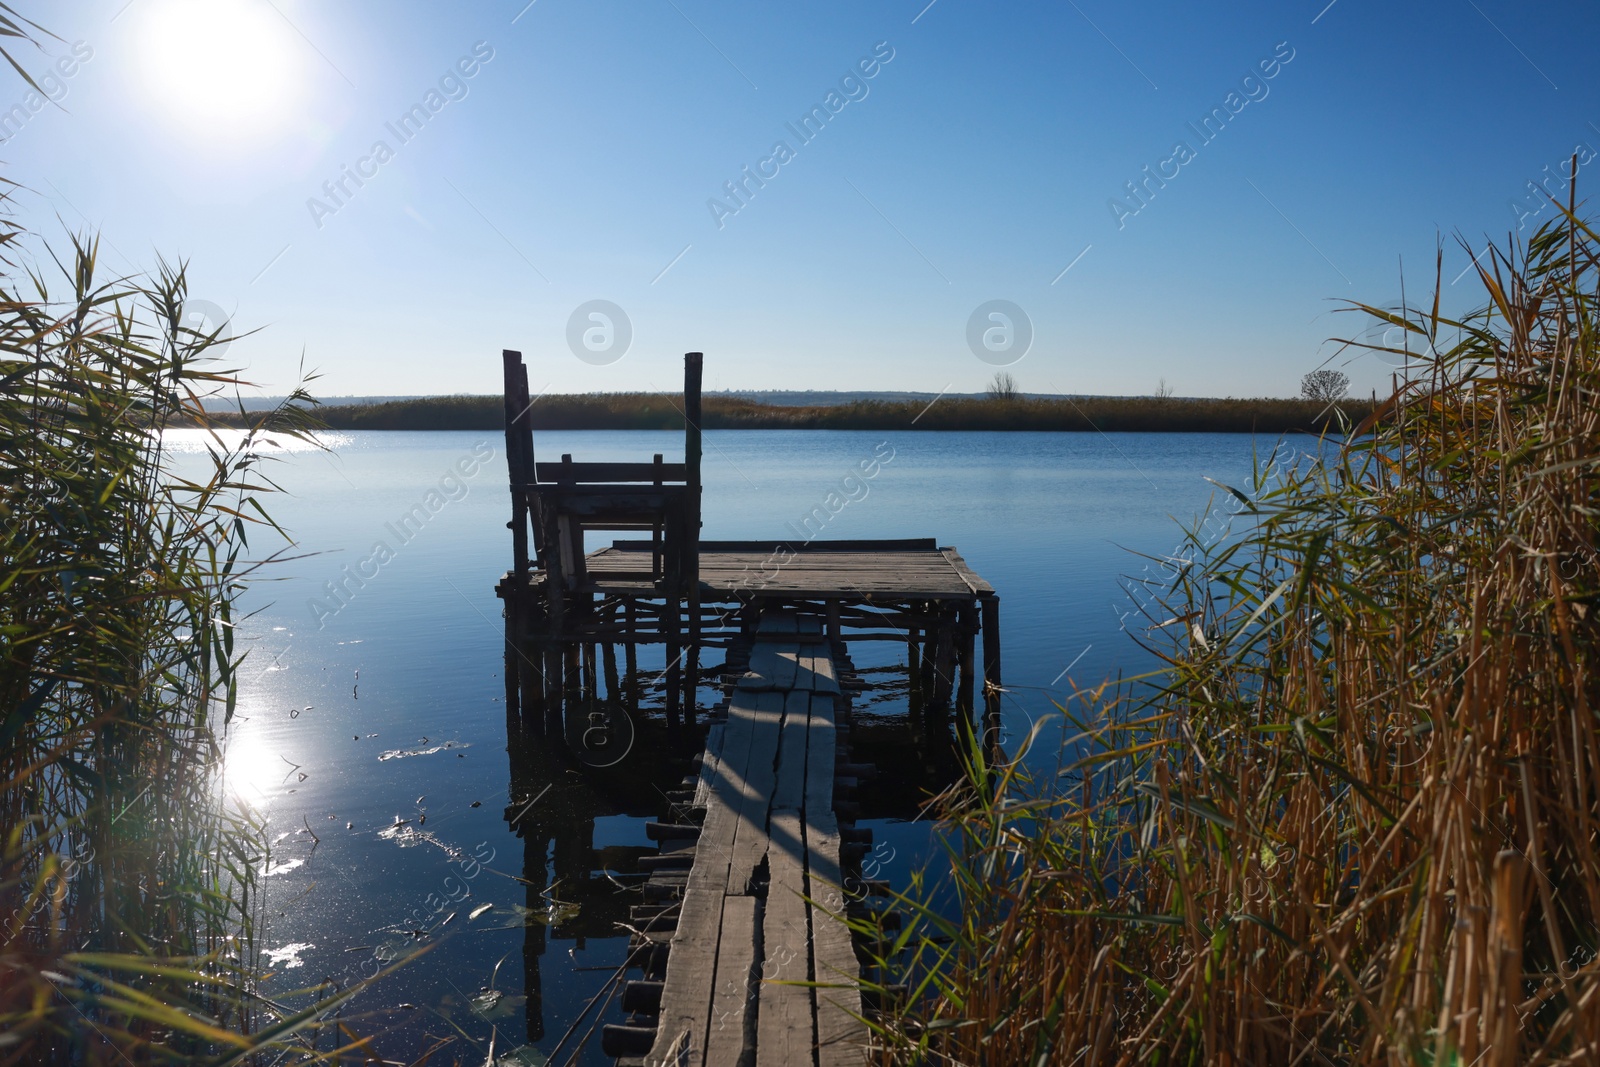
x=912 y=591
x=820 y=570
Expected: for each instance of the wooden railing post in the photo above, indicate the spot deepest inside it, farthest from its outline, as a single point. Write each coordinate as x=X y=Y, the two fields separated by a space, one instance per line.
x=519 y=475
x=693 y=366
x=518 y=472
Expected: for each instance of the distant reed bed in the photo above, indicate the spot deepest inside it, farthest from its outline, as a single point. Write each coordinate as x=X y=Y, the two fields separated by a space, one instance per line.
x=647 y=411
x=1356 y=818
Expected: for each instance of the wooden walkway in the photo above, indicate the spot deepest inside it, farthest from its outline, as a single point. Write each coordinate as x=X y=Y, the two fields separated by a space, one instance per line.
x=760 y=967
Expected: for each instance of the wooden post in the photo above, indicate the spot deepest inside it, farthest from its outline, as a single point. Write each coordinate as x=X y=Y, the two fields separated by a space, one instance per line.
x=550 y=653
x=990 y=606
x=524 y=443
x=518 y=476
x=630 y=650
x=967 y=636
x=930 y=652
x=913 y=674
x=673 y=671
x=574 y=713
x=944 y=667
x=513 y=659
x=530 y=668
x=591 y=683
x=535 y=850
x=693 y=366
x=835 y=626
x=672 y=613
x=608 y=655
x=656 y=571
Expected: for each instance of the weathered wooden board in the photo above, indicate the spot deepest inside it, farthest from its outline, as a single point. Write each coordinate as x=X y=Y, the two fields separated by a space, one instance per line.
x=968 y=575
x=764 y=711
x=709 y=764
x=691 y=965
x=772 y=666
x=815 y=670
x=732 y=1033
x=841 y=1037
x=691 y=973
x=786 y=1023
x=790 y=791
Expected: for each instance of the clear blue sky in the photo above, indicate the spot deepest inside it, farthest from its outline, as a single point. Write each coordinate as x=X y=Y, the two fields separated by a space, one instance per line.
x=577 y=161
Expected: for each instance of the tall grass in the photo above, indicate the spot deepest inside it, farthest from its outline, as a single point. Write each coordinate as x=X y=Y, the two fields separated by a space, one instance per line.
x=1356 y=818
x=127 y=881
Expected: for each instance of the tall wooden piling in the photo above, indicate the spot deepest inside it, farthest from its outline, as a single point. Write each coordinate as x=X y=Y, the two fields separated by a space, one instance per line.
x=693 y=372
x=990 y=607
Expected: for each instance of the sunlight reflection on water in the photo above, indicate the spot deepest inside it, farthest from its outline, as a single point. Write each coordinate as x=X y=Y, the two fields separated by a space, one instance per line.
x=198 y=442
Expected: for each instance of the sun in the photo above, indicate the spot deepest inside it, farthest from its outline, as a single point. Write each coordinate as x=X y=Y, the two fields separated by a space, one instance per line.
x=225 y=69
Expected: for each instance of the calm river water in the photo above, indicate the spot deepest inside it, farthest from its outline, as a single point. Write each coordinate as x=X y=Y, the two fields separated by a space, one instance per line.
x=371 y=729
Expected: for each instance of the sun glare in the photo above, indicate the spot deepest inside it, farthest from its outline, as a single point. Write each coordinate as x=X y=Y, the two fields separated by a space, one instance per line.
x=252 y=773
x=226 y=69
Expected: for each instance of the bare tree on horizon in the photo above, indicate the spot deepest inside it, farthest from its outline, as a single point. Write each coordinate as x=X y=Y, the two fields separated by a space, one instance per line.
x=1325 y=385
x=1004 y=387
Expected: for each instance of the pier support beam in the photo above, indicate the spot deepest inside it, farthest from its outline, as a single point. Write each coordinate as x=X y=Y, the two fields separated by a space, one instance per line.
x=990 y=607
x=513 y=669
x=966 y=635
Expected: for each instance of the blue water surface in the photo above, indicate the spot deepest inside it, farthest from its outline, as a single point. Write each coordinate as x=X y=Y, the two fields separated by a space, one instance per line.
x=370 y=731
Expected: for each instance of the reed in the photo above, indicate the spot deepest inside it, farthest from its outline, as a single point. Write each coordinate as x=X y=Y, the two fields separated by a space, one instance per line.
x=1355 y=818
x=127 y=880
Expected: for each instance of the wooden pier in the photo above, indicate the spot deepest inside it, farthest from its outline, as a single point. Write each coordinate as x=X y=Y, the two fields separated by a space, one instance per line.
x=744 y=953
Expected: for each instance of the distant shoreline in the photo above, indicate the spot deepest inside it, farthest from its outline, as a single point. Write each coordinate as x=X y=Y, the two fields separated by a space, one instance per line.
x=653 y=411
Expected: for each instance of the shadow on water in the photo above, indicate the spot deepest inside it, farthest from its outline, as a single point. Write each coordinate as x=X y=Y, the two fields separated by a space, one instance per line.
x=585 y=886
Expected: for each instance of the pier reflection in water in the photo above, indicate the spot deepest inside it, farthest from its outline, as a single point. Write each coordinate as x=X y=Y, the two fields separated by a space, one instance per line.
x=582 y=892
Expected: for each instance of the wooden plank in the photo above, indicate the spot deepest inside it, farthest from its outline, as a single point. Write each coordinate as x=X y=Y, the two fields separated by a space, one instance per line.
x=754 y=790
x=788 y=663
x=772 y=666
x=732 y=1034
x=709 y=764
x=686 y=997
x=841 y=1037
x=690 y=982
x=790 y=791
x=786 y=1021
x=966 y=573
x=815 y=670
x=906 y=544
x=608 y=472
x=763 y=667
x=821 y=745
